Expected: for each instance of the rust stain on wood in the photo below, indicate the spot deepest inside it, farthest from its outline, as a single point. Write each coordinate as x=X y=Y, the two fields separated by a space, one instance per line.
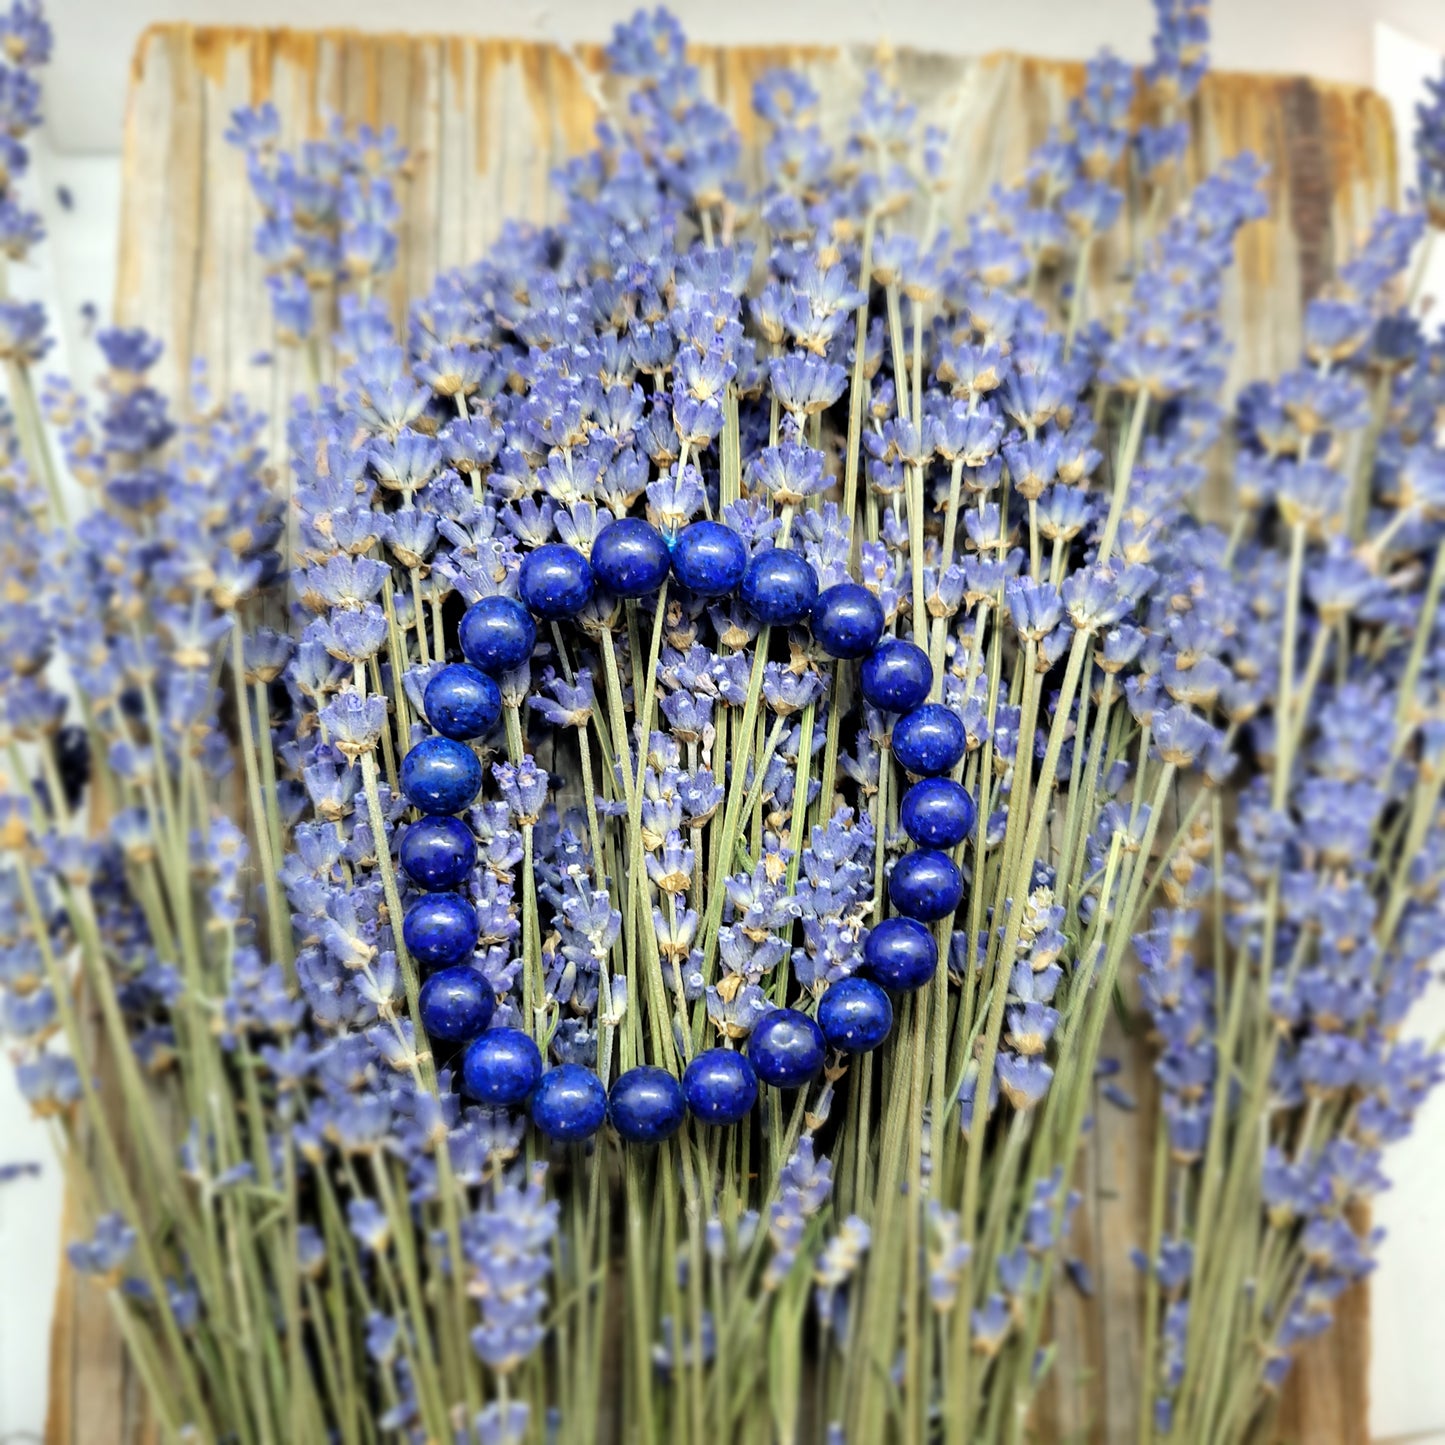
x=486 y=63
x=1311 y=191
x=537 y=82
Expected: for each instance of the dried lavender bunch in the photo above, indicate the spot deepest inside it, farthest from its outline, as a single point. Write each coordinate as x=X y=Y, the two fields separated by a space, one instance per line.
x=139 y=556
x=1321 y=884
x=848 y=383
x=133 y=904
x=402 y=509
x=688 y=819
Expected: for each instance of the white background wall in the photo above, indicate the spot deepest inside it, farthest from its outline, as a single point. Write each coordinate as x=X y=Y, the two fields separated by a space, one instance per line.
x=1390 y=43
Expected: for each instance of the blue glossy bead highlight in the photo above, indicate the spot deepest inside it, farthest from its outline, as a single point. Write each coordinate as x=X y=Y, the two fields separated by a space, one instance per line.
x=569 y=1103
x=896 y=675
x=780 y=587
x=786 y=1048
x=497 y=634
x=926 y=885
x=929 y=740
x=709 y=559
x=501 y=1067
x=555 y=581
x=901 y=954
x=646 y=1105
x=855 y=1015
x=629 y=558
x=440 y=775
x=438 y=852
x=456 y=1005
x=461 y=701
x=847 y=620
x=720 y=1086
x=440 y=928
x=937 y=813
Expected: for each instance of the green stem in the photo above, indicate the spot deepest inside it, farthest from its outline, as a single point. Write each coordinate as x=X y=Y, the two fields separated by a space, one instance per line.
x=278 y=915
x=1076 y=300
x=410 y=981
x=1122 y=474
x=1144 y=1431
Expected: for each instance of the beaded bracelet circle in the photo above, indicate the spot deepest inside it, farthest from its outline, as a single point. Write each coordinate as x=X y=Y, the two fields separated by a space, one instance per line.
x=440 y=777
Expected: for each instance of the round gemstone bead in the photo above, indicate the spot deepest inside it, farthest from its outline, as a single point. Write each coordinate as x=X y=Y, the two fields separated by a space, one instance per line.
x=438 y=852
x=855 y=1015
x=569 y=1104
x=937 y=813
x=646 y=1105
x=720 y=1086
x=930 y=739
x=900 y=954
x=440 y=928
x=926 y=885
x=786 y=1048
x=456 y=1005
x=709 y=559
x=896 y=675
x=461 y=701
x=847 y=620
x=497 y=634
x=501 y=1067
x=555 y=581
x=440 y=775
x=780 y=587
x=629 y=558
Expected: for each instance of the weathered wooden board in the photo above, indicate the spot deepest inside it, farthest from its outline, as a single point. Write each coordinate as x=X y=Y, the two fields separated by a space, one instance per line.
x=486 y=121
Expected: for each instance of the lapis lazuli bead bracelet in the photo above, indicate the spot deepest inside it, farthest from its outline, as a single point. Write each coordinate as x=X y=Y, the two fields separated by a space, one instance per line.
x=441 y=777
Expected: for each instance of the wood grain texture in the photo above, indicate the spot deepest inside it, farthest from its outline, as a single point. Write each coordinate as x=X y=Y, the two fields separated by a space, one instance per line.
x=485 y=122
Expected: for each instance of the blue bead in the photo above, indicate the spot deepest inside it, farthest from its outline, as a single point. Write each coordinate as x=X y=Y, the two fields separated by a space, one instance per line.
x=555 y=581
x=937 y=813
x=462 y=702
x=780 y=587
x=440 y=928
x=709 y=559
x=720 y=1086
x=847 y=620
x=786 y=1048
x=646 y=1105
x=929 y=740
x=440 y=775
x=569 y=1103
x=926 y=885
x=900 y=954
x=497 y=634
x=501 y=1067
x=456 y=1005
x=629 y=558
x=438 y=852
x=896 y=676
x=855 y=1015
